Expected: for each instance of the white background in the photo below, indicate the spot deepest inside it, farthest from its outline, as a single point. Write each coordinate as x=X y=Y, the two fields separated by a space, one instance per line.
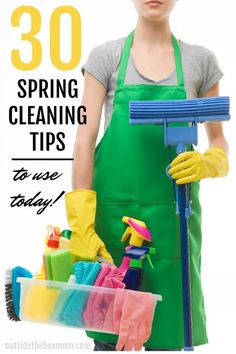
x=207 y=22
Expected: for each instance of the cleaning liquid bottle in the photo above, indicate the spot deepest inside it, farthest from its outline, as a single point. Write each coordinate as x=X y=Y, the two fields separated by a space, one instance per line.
x=64 y=242
x=133 y=276
x=52 y=239
x=52 y=243
x=137 y=232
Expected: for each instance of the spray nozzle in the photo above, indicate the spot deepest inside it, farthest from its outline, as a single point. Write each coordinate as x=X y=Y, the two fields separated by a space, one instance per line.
x=137 y=231
x=138 y=254
x=53 y=236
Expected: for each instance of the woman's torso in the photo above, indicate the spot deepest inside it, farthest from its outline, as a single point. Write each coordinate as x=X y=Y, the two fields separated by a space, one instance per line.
x=200 y=68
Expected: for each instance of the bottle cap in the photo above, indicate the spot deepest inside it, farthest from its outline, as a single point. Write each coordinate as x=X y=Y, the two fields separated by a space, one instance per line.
x=53 y=236
x=53 y=243
x=66 y=234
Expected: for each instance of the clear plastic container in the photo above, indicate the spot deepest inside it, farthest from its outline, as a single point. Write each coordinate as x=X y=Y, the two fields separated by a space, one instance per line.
x=57 y=303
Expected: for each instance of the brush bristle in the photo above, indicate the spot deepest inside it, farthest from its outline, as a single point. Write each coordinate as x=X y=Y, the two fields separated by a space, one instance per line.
x=9 y=297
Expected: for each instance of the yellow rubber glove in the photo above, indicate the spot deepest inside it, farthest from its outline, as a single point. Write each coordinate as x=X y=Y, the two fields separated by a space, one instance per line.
x=84 y=242
x=192 y=166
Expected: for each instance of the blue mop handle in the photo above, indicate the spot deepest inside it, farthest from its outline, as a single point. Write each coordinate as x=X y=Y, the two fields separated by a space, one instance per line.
x=185 y=264
x=183 y=205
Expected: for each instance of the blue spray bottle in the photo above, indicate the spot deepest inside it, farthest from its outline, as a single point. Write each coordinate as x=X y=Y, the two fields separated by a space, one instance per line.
x=133 y=276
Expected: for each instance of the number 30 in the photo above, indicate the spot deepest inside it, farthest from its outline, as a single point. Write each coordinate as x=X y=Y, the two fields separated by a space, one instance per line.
x=54 y=38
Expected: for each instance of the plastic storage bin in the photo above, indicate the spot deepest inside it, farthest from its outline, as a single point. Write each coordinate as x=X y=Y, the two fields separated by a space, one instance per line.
x=57 y=303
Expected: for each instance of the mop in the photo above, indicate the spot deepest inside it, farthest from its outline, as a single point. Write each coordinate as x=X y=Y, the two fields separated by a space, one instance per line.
x=191 y=112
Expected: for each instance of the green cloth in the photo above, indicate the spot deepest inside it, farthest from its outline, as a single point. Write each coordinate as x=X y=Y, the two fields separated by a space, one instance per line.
x=130 y=179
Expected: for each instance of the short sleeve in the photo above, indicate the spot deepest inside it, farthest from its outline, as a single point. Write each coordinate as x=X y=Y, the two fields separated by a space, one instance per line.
x=100 y=64
x=211 y=72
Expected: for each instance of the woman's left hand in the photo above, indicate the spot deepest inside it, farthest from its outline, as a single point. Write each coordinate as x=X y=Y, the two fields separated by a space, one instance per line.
x=193 y=166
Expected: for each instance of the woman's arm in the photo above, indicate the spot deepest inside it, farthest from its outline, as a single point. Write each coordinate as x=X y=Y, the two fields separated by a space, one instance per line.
x=93 y=99
x=214 y=130
x=193 y=166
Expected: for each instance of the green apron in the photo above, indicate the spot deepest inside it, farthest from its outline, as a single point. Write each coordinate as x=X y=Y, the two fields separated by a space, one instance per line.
x=130 y=180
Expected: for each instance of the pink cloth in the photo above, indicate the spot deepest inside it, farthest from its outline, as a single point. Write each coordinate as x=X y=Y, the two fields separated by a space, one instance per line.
x=106 y=268
x=104 y=305
x=99 y=303
x=88 y=312
x=114 y=274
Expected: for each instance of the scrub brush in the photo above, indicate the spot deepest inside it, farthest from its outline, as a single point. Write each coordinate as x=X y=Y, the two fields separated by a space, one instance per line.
x=12 y=291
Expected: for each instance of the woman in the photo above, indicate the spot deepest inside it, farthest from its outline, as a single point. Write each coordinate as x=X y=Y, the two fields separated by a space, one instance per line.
x=128 y=168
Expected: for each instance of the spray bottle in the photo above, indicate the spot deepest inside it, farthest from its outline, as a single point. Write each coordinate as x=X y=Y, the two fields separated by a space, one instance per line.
x=52 y=243
x=133 y=276
x=138 y=232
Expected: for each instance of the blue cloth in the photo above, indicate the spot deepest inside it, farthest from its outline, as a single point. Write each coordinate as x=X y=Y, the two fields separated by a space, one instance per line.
x=79 y=272
x=91 y=276
x=72 y=312
x=61 y=301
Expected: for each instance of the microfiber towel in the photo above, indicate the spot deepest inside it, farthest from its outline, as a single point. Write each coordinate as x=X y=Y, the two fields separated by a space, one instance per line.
x=114 y=274
x=106 y=268
x=61 y=301
x=79 y=272
x=104 y=302
x=90 y=277
x=65 y=294
x=72 y=313
x=88 y=312
x=97 y=314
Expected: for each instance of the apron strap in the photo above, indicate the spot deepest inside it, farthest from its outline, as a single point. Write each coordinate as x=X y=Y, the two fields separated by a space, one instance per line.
x=126 y=54
x=125 y=59
x=178 y=61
